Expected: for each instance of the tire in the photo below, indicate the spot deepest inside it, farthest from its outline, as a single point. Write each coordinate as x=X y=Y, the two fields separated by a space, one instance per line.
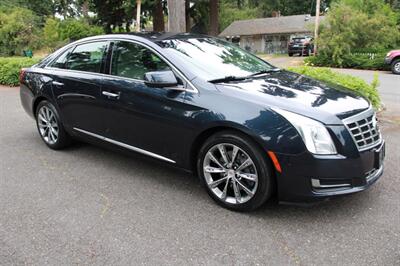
x=396 y=66
x=258 y=177
x=50 y=127
x=290 y=54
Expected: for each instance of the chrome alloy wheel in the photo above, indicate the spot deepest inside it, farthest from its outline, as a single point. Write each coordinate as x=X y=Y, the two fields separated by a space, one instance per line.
x=48 y=125
x=230 y=173
x=397 y=67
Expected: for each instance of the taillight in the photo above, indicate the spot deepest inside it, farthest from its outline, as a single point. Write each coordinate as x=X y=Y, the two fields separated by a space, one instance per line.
x=21 y=75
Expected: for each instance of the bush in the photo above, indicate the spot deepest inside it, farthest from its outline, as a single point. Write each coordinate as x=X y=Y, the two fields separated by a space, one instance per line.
x=353 y=60
x=59 y=32
x=357 y=24
x=10 y=67
x=358 y=85
x=18 y=31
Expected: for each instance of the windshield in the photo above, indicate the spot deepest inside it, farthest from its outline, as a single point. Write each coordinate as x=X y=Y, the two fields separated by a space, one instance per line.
x=213 y=58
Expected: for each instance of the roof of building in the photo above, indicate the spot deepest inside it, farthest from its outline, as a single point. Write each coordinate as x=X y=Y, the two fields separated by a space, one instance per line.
x=282 y=24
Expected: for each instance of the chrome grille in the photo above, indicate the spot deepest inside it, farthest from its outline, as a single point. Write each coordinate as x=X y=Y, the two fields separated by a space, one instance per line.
x=364 y=129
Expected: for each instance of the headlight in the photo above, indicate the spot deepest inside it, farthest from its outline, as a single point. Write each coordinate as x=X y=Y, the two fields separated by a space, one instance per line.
x=388 y=54
x=314 y=134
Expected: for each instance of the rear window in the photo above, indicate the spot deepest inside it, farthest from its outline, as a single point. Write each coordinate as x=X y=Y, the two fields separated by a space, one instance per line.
x=87 y=57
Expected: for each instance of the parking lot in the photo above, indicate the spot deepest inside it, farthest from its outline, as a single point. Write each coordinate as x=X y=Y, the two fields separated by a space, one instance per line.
x=88 y=205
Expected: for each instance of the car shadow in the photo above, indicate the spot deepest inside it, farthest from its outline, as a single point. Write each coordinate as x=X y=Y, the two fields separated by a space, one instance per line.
x=163 y=174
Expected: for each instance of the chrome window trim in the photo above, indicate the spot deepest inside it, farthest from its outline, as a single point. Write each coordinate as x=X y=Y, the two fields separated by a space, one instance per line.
x=73 y=47
x=362 y=115
x=126 y=146
x=189 y=88
x=93 y=73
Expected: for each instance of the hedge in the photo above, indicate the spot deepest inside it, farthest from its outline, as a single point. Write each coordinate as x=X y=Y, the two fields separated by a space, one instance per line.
x=373 y=61
x=358 y=85
x=10 y=67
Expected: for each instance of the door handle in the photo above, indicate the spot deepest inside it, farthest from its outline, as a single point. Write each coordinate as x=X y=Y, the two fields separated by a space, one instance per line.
x=110 y=94
x=58 y=83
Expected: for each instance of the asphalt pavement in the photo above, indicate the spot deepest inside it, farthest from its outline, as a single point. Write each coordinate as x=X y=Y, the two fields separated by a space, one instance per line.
x=88 y=205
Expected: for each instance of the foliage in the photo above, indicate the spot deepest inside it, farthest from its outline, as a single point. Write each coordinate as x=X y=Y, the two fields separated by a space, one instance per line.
x=358 y=85
x=18 y=31
x=229 y=12
x=373 y=61
x=357 y=24
x=58 y=32
x=74 y=29
x=10 y=67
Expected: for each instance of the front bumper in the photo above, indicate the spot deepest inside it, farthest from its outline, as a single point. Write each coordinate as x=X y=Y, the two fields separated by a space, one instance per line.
x=308 y=178
x=299 y=49
x=388 y=60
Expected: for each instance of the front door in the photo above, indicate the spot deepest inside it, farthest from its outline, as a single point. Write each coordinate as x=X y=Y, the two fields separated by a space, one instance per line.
x=146 y=118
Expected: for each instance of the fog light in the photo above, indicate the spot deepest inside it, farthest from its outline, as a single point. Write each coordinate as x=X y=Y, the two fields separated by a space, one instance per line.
x=316 y=183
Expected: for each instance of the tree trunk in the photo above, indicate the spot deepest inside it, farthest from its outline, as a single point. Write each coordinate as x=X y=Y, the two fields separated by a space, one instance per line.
x=187 y=7
x=158 y=16
x=138 y=12
x=85 y=9
x=214 y=21
x=176 y=16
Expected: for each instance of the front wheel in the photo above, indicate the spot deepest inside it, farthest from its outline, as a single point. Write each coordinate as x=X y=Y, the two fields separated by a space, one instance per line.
x=396 y=67
x=235 y=172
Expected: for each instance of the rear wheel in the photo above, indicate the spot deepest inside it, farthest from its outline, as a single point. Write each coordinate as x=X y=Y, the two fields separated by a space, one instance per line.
x=50 y=127
x=396 y=66
x=290 y=54
x=234 y=171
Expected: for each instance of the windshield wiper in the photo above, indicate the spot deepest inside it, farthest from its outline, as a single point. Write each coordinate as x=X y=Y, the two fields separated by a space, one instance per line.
x=236 y=78
x=227 y=79
x=266 y=71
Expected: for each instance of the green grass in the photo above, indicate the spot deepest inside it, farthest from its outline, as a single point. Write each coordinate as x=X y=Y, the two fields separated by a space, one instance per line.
x=10 y=67
x=358 y=85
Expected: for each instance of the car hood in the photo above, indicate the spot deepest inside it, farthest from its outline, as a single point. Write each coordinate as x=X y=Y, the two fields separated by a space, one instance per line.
x=290 y=91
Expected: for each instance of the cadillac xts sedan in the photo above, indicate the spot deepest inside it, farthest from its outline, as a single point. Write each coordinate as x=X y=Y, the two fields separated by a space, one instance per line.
x=248 y=129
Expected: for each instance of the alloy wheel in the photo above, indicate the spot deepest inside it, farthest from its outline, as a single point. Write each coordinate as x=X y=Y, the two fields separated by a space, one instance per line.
x=48 y=125
x=230 y=173
x=397 y=67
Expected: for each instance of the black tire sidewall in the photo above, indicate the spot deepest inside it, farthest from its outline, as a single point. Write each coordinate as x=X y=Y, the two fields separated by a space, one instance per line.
x=63 y=138
x=265 y=178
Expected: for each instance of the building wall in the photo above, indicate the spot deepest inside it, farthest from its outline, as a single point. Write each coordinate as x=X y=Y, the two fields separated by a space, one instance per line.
x=269 y=44
x=252 y=43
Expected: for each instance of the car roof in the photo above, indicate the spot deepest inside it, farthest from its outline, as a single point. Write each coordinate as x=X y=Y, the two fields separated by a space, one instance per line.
x=149 y=36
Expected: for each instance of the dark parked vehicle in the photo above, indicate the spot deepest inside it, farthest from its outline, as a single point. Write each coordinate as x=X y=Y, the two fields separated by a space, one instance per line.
x=245 y=127
x=301 y=45
x=393 y=60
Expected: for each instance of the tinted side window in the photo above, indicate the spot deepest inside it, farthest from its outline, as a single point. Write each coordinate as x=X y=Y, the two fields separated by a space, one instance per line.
x=87 y=57
x=60 y=62
x=133 y=61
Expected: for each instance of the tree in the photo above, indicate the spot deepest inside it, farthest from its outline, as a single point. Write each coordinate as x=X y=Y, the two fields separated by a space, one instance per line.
x=358 y=24
x=18 y=31
x=112 y=14
x=176 y=16
x=158 y=16
x=214 y=22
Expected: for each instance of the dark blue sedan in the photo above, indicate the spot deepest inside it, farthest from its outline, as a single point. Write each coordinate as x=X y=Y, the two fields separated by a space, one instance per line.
x=248 y=129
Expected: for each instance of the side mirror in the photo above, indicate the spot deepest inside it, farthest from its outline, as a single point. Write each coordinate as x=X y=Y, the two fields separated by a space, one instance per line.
x=160 y=79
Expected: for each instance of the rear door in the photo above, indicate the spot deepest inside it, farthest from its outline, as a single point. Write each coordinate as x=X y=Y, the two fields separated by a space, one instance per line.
x=77 y=86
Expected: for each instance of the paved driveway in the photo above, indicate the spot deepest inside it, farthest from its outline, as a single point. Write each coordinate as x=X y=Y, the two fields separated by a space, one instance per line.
x=87 y=205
